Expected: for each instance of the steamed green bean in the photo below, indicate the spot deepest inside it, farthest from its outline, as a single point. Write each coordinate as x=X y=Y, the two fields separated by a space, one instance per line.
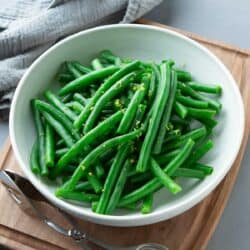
x=117 y=130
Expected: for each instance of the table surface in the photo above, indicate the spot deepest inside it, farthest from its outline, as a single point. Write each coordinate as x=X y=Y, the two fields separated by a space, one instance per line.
x=229 y=21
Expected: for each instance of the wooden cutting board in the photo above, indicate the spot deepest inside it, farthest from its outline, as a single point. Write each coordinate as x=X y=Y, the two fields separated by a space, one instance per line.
x=188 y=231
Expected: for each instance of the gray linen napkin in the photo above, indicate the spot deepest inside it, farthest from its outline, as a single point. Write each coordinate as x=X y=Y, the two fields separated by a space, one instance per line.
x=31 y=26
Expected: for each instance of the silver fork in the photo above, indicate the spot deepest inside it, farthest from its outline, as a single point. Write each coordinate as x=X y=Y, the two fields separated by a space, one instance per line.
x=25 y=195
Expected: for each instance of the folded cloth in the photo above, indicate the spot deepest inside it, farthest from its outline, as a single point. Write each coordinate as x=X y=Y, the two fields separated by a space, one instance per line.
x=31 y=26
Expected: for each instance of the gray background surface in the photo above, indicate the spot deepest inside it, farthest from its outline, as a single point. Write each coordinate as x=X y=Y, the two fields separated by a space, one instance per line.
x=229 y=21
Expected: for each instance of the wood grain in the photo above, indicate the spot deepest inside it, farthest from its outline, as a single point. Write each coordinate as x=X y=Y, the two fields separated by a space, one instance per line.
x=188 y=231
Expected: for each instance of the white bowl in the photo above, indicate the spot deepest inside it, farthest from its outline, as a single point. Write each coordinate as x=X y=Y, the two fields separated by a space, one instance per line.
x=146 y=43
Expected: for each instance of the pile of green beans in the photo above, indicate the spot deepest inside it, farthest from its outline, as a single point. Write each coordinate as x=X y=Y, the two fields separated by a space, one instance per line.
x=119 y=130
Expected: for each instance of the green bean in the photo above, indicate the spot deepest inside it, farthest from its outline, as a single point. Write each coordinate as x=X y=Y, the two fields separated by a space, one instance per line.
x=117 y=132
x=133 y=106
x=157 y=72
x=117 y=88
x=207 y=88
x=59 y=128
x=130 y=94
x=194 y=134
x=93 y=155
x=65 y=78
x=99 y=170
x=60 y=152
x=189 y=91
x=155 y=79
x=199 y=153
x=34 y=158
x=76 y=106
x=94 y=182
x=183 y=76
x=201 y=113
x=208 y=170
x=166 y=115
x=173 y=145
x=158 y=108
x=180 y=110
x=41 y=139
x=49 y=146
x=60 y=143
x=94 y=205
x=37 y=119
x=86 y=80
x=66 y=98
x=171 y=62
x=166 y=157
x=102 y=89
x=173 y=135
x=58 y=115
x=74 y=72
x=154 y=185
x=147 y=204
x=119 y=186
x=189 y=173
x=83 y=186
x=44 y=168
x=103 y=128
x=191 y=102
x=79 y=196
x=79 y=98
x=137 y=121
x=111 y=178
x=105 y=64
x=175 y=163
x=138 y=79
x=109 y=56
x=164 y=178
x=139 y=116
x=96 y=64
x=81 y=68
x=55 y=101
x=69 y=104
